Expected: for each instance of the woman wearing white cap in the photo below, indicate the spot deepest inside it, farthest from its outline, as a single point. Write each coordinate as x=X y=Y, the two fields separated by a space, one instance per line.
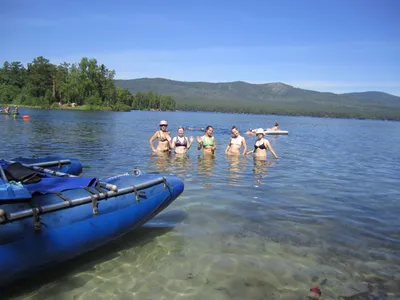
x=163 y=137
x=261 y=145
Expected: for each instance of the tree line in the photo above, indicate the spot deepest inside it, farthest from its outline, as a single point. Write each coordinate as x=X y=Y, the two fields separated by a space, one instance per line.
x=86 y=83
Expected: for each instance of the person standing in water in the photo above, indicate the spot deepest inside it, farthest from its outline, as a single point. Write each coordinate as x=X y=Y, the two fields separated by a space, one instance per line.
x=163 y=137
x=261 y=145
x=181 y=143
x=236 y=143
x=207 y=142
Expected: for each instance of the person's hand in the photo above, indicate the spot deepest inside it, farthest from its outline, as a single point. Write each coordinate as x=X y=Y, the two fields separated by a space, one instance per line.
x=199 y=139
x=191 y=139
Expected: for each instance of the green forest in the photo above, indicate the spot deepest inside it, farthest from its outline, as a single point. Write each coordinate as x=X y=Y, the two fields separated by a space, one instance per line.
x=85 y=84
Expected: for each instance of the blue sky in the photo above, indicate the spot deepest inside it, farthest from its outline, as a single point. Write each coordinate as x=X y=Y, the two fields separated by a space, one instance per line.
x=338 y=46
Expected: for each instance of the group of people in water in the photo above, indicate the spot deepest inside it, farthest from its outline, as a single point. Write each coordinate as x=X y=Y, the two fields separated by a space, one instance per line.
x=7 y=110
x=180 y=144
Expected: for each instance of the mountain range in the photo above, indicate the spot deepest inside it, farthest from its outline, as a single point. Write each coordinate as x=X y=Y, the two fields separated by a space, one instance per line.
x=278 y=98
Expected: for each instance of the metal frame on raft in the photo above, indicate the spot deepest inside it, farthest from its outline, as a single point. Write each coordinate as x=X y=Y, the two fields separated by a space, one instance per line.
x=67 y=203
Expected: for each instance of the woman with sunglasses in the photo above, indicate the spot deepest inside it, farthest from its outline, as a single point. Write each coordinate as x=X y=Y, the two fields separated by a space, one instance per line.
x=207 y=142
x=261 y=145
x=163 y=137
x=181 y=143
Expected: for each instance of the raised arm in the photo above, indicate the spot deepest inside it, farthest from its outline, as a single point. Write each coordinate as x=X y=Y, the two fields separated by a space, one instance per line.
x=200 y=142
x=172 y=143
x=268 y=145
x=190 y=141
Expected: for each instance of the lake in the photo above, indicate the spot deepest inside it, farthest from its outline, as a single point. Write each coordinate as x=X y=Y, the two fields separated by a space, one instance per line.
x=326 y=213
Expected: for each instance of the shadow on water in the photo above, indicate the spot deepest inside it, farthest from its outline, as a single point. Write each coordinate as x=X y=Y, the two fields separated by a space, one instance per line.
x=65 y=271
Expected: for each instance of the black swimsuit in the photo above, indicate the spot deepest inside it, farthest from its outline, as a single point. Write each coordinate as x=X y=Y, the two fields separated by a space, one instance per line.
x=178 y=143
x=262 y=146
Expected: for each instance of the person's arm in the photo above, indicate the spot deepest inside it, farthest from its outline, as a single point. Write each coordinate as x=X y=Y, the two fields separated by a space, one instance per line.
x=215 y=145
x=268 y=145
x=200 y=143
x=172 y=143
x=229 y=146
x=151 y=141
x=190 y=141
x=251 y=151
x=244 y=145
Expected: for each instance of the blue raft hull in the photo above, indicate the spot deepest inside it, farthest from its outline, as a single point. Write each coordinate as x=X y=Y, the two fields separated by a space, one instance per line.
x=72 y=168
x=67 y=233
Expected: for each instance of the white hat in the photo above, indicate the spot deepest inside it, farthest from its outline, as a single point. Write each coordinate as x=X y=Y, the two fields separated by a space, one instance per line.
x=260 y=130
x=163 y=122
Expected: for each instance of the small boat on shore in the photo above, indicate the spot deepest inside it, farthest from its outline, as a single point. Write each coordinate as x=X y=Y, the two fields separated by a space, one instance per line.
x=58 y=218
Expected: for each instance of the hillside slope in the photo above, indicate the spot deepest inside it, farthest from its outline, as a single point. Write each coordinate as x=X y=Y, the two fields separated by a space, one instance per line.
x=277 y=97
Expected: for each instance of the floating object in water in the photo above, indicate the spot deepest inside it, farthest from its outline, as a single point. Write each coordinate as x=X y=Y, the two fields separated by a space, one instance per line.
x=25 y=117
x=276 y=132
x=273 y=132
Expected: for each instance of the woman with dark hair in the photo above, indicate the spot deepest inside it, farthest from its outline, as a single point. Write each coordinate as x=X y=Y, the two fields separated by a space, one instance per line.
x=236 y=143
x=207 y=142
x=163 y=137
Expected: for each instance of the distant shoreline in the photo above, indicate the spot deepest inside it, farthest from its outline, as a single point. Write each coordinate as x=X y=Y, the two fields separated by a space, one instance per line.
x=85 y=108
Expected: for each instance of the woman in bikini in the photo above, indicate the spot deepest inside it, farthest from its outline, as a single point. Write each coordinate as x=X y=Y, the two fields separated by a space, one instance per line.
x=163 y=137
x=236 y=143
x=261 y=145
x=181 y=143
x=207 y=142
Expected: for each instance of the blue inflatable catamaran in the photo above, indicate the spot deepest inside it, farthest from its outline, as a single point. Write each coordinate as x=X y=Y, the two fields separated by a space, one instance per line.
x=48 y=216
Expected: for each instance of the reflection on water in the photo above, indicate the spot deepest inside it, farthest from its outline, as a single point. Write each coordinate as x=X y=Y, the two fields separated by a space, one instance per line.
x=206 y=164
x=161 y=161
x=267 y=229
x=236 y=168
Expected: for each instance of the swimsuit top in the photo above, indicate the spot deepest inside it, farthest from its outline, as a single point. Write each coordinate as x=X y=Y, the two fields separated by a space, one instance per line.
x=262 y=146
x=237 y=140
x=161 y=137
x=180 y=141
x=207 y=141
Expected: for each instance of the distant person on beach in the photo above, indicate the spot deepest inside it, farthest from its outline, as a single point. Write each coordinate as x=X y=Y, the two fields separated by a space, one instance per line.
x=235 y=143
x=163 y=137
x=274 y=128
x=181 y=143
x=207 y=142
x=262 y=145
